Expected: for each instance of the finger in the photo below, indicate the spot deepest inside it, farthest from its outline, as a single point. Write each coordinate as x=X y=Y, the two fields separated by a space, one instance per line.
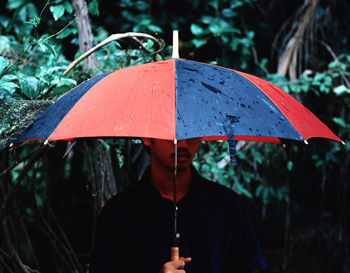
x=179 y=264
x=186 y=260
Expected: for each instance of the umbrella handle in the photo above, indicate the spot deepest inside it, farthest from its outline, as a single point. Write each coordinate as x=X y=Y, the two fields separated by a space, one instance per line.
x=174 y=253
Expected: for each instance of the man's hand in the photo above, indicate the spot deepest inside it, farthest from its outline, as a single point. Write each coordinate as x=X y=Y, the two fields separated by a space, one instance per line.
x=175 y=266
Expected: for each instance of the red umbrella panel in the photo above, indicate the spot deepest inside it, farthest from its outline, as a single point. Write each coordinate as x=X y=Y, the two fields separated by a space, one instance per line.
x=177 y=99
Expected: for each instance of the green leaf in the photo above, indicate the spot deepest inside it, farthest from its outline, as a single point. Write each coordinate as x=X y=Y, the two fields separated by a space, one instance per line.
x=257 y=156
x=215 y=29
x=155 y=28
x=105 y=144
x=22 y=14
x=68 y=6
x=282 y=193
x=229 y=13
x=3 y=64
x=259 y=190
x=234 y=44
x=333 y=64
x=31 y=10
x=324 y=88
x=214 y=4
x=93 y=8
x=318 y=79
x=207 y=20
x=29 y=86
x=34 y=21
x=197 y=42
x=65 y=33
x=51 y=49
x=4 y=42
x=57 y=11
x=14 y=4
x=236 y=4
x=250 y=34
x=241 y=190
x=196 y=29
x=66 y=82
x=10 y=87
x=341 y=89
x=141 y=5
x=339 y=121
x=247 y=176
x=39 y=200
x=149 y=44
x=263 y=63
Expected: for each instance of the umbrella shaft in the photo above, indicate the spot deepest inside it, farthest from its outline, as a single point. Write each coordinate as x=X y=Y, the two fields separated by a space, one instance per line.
x=174 y=193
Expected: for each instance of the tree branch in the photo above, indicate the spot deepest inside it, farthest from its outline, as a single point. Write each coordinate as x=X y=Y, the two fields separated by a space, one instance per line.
x=111 y=38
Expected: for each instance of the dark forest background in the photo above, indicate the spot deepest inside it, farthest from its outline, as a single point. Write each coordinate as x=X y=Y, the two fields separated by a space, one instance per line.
x=50 y=195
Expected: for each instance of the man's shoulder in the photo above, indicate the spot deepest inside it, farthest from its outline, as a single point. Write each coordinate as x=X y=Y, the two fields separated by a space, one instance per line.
x=127 y=196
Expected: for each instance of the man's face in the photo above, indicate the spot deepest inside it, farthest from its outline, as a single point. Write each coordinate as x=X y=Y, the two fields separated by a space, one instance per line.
x=163 y=151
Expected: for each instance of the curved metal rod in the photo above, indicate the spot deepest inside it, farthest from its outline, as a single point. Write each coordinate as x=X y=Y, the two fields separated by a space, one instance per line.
x=111 y=38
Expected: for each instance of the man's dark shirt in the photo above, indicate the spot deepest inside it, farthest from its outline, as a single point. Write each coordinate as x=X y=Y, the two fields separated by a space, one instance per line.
x=135 y=231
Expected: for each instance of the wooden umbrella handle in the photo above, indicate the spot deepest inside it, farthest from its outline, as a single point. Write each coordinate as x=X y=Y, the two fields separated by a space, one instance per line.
x=174 y=253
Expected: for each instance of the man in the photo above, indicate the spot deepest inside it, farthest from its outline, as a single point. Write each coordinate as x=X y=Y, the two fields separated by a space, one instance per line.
x=134 y=232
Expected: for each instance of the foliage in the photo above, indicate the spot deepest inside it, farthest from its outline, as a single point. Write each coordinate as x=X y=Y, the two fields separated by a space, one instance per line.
x=50 y=201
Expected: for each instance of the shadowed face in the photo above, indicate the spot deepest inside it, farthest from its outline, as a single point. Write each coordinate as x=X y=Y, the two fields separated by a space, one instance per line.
x=163 y=151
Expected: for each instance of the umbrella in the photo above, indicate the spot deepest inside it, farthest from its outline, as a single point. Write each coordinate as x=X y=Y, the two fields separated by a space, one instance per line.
x=178 y=99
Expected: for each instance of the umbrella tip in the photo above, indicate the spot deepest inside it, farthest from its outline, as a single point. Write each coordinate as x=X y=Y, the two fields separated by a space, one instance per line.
x=283 y=145
x=46 y=142
x=343 y=143
x=175 y=44
x=305 y=141
x=11 y=145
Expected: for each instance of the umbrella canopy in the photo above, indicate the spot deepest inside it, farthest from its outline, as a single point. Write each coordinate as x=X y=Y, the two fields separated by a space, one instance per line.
x=177 y=99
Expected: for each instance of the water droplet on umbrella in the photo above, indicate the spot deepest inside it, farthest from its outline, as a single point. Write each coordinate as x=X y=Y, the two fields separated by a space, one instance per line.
x=250 y=129
x=243 y=105
x=192 y=80
x=191 y=69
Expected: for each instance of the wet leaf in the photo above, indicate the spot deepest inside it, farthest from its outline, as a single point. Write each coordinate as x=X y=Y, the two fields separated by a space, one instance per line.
x=196 y=30
x=3 y=64
x=341 y=89
x=57 y=11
